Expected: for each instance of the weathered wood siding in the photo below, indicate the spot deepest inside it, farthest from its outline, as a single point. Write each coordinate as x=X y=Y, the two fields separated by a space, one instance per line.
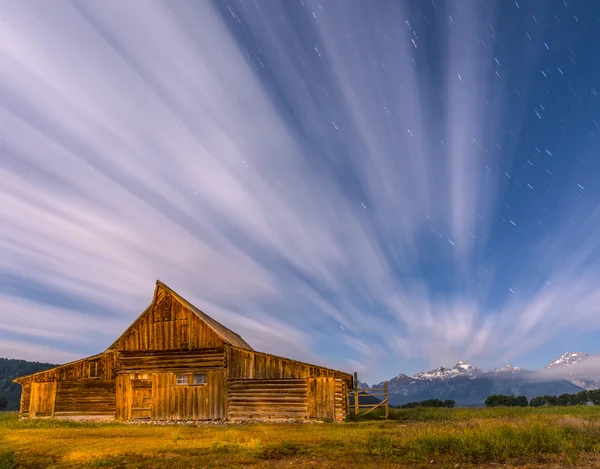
x=42 y=399
x=249 y=364
x=267 y=399
x=171 y=360
x=325 y=389
x=341 y=400
x=80 y=369
x=68 y=390
x=25 y=399
x=321 y=398
x=85 y=397
x=164 y=399
x=168 y=325
x=193 y=402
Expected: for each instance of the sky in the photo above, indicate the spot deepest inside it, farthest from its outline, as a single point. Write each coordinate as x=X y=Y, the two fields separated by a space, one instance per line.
x=376 y=186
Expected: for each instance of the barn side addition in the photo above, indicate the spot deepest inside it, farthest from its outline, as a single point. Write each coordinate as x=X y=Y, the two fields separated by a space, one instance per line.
x=177 y=363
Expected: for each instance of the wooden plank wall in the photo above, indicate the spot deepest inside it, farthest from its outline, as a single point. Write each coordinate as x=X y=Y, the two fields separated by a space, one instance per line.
x=41 y=391
x=266 y=399
x=80 y=369
x=326 y=389
x=321 y=398
x=124 y=394
x=171 y=401
x=341 y=400
x=171 y=360
x=168 y=325
x=25 y=399
x=249 y=364
x=194 y=402
x=42 y=399
x=88 y=397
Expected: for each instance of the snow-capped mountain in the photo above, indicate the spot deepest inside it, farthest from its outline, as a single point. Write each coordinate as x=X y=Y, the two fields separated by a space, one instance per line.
x=508 y=368
x=469 y=385
x=578 y=368
x=461 y=368
x=569 y=358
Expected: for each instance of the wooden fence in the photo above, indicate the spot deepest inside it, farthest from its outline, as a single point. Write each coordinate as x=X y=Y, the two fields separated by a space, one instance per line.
x=379 y=393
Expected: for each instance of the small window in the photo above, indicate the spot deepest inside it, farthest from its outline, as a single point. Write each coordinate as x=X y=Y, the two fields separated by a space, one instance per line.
x=182 y=379
x=199 y=379
x=95 y=370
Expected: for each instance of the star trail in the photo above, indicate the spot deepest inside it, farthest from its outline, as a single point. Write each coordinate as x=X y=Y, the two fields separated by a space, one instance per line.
x=374 y=186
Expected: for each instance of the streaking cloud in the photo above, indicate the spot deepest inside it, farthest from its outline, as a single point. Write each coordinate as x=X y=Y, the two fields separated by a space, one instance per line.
x=374 y=188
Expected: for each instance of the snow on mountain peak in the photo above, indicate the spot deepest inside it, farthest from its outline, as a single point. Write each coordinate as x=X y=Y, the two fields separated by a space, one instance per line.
x=459 y=369
x=569 y=358
x=508 y=367
x=464 y=366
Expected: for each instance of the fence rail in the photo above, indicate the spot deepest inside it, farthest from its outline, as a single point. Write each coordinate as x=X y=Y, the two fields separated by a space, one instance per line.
x=369 y=392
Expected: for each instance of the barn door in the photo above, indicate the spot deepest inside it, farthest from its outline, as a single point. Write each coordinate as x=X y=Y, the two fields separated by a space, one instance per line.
x=141 y=399
x=321 y=398
x=43 y=396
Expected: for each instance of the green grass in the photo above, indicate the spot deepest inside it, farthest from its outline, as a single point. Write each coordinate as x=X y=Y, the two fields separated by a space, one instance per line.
x=527 y=437
x=7 y=459
x=432 y=414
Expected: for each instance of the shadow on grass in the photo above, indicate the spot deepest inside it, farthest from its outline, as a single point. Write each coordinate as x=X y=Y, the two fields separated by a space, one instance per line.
x=7 y=460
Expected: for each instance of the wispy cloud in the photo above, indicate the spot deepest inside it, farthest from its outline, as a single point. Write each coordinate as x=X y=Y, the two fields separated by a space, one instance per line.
x=303 y=172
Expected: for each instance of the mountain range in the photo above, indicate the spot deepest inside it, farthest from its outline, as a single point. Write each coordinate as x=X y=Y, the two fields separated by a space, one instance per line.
x=470 y=386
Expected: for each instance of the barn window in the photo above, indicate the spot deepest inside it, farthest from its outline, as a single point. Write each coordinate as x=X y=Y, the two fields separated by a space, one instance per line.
x=199 y=379
x=182 y=379
x=95 y=370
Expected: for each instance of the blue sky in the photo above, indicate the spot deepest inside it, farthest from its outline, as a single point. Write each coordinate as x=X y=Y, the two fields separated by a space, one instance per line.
x=381 y=187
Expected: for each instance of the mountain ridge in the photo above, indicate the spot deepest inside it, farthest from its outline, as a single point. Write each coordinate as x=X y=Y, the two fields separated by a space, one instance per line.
x=469 y=385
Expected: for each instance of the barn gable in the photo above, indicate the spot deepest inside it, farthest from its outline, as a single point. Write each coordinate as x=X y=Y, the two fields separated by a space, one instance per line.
x=171 y=322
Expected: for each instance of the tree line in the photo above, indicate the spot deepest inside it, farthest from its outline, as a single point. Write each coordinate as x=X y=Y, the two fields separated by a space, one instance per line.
x=590 y=397
x=449 y=403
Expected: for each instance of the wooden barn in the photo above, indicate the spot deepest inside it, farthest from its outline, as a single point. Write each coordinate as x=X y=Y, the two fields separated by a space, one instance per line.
x=176 y=363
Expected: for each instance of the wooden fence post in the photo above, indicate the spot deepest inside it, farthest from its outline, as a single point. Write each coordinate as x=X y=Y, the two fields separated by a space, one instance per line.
x=355 y=382
x=387 y=402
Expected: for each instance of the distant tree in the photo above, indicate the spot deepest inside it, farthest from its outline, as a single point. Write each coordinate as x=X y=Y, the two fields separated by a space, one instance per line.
x=537 y=401
x=564 y=399
x=409 y=405
x=432 y=403
x=581 y=398
x=501 y=400
x=492 y=401
x=594 y=397
x=429 y=403
x=3 y=403
x=508 y=401
x=550 y=400
x=495 y=400
x=519 y=401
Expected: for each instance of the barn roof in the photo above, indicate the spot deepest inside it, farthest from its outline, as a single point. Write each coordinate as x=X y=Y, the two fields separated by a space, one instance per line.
x=226 y=334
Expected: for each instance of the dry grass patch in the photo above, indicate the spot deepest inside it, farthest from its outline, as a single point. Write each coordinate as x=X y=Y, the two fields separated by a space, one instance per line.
x=534 y=438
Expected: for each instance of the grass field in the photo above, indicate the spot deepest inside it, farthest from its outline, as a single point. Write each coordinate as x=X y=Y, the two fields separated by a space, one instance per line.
x=551 y=437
